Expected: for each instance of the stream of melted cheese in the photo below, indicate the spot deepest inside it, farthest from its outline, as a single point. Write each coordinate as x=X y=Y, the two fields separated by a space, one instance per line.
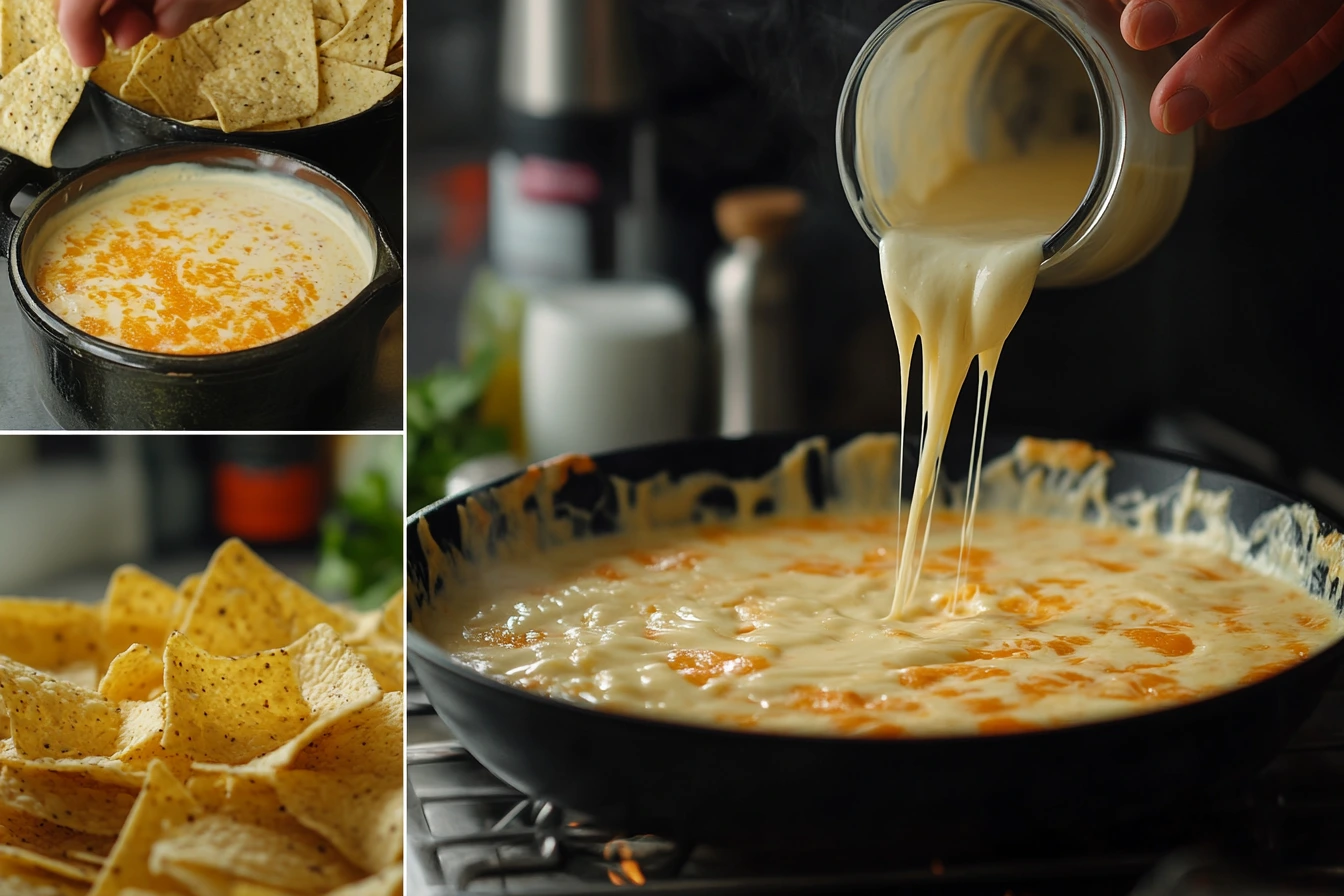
x=780 y=626
x=192 y=260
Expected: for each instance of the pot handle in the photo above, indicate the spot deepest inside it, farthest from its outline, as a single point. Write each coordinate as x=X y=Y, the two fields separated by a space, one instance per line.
x=16 y=173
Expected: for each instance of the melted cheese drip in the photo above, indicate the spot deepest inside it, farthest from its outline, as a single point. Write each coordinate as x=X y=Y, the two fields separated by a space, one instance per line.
x=189 y=260
x=779 y=625
x=975 y=197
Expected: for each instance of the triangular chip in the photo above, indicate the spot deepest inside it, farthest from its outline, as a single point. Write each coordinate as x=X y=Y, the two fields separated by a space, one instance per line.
x=332 y=10
x=388 y=665
x=16 y=880
x=249 y=852
x=172 y=73
x=365 y=38
x=134 y=674
x=137 y=609
x=360 y=814
x=36 y=100
x=394 y=617
x=385 y=883
x=78 y=802
x=163 y=806
x=326 y=29
x=50 y=718
x=266 y=64
x=243 y=605
x=232 y=710
x=48 y=634
x=348 y=90
x=398 y=21
x=38 y=837
x=112 y=72
x=26 y=26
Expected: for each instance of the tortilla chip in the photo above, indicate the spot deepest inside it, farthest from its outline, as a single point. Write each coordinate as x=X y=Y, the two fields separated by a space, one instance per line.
x=137 y=609
x=243 y=605
x=266 y=64
x=74 y=801
x=112 y=72
x=232 y=710
x=385 y=883
x=26 y=26
x=51 y=718
x=16 y=880
x=209 y=123
x=331 y=10
x=388 y=665
x=37 y=98
x=365 y=38
x=48 y=634
x=362 y=815
x=100 y=769
x=349 y=89
x=396 y=67
x=172 y=73
x=41 y=838
x=398 y=21
x=394 y=617
x=134 y=674
x=163 y=806
x=351 y=8
x=365 y=742
x=249 y=852
x=326 y=29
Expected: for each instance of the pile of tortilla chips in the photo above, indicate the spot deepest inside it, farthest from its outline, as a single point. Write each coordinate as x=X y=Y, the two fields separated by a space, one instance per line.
x=267 y=65
x=233 y=736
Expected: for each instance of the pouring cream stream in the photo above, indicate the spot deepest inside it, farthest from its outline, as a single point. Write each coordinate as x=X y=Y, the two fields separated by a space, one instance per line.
x=992 y=153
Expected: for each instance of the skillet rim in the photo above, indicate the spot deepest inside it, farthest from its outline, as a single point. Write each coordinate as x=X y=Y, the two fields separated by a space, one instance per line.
x=422 y=648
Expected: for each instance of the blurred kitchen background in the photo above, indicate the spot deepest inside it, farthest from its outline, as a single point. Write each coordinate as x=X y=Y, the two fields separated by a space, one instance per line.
x=326 y=510
x=557 y=143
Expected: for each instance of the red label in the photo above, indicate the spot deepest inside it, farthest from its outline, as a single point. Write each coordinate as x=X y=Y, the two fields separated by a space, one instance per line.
x=546 y=180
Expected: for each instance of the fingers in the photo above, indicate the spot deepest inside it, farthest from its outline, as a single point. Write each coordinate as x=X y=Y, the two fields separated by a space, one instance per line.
x=1303 y=70
x=175 y=16
x=128 y=24
x=1146 y=24
x=1243 y=47
x=82 y=30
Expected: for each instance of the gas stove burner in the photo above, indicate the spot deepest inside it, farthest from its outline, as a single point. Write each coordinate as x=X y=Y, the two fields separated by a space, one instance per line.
x=594 y=850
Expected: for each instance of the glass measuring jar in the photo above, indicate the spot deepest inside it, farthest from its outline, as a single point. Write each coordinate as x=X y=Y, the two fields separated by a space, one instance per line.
x=1015 y=71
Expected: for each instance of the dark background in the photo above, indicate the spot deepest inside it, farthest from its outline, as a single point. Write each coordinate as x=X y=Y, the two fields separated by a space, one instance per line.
x=1224 y=341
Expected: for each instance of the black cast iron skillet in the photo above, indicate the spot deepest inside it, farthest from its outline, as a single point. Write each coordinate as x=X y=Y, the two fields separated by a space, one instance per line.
x=921 y=797
x=351 y=148
x=307 y=381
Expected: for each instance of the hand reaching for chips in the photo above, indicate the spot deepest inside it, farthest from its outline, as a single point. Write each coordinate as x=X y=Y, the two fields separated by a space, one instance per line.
x=231 y=735
x=127 y=22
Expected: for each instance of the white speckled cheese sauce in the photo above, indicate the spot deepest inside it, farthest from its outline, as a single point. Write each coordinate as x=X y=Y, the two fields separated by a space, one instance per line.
x=780 y=624
x=188 y=259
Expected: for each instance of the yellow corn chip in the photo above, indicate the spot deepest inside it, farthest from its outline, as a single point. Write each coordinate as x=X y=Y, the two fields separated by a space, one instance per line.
x=209 y=123
x=37 y=97
x=26 y=26
x=249 y=852
x=232 y=710
x=163 y=806
x=172 y=73
x=16 y=880
x=398 y=21
x=365 y=38
x=266 y=64
x=47 y=634
x=349 y=89
x=365 y=742
x=52 y=719
x=394 y=617
x=75 y=871
x=351 y=8
x=360 y=814
x=74 y=801
x=331 y=10
x=396 y=67
x=112 y=72
x=243 y=605
x=137 y=609
x=387 y=663
x=42 y=838
x=134 y=674
x=186 y=590
x=326 y=29
x=385 y=883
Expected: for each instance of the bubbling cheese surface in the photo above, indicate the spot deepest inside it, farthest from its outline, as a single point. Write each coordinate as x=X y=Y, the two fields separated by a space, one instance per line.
x=781 y=625
x=192 y=260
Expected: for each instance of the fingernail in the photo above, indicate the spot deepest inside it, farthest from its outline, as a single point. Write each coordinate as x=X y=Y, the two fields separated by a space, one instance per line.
x=1186 y=106
x=1156 y=26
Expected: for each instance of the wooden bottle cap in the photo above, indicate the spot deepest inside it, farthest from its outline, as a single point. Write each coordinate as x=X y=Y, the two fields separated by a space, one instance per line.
x=765 y=213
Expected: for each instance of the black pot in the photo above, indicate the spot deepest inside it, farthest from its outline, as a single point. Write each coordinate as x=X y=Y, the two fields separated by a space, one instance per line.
x=351 y=148
x=306 y=381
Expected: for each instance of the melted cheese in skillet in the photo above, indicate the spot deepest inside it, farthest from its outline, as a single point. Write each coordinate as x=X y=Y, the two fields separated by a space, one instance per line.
x=781 y=626
x=191 y=260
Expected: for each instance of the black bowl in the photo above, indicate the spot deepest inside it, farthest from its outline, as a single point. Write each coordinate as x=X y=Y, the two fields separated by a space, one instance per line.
x=351 y=148
x=305 y=381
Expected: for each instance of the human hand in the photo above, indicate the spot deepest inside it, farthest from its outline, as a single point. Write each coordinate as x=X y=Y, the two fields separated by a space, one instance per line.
x=1257 y=56
x=83 y=22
